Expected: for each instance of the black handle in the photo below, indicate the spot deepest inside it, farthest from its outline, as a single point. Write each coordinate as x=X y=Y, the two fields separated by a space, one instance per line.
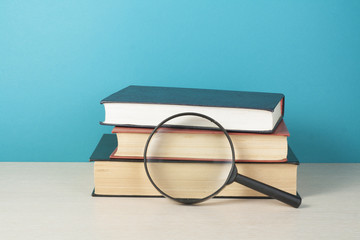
x=292 y=200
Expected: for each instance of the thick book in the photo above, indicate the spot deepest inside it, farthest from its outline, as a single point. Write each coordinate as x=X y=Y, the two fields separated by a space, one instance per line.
x=147 y=106
x=249 y=147
x=127 y=177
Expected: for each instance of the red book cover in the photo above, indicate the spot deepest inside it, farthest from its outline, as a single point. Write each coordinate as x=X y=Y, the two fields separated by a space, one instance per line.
x=281 y=130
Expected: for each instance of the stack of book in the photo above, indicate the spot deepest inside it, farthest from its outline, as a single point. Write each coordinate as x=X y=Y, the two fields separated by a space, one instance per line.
x=253 y=120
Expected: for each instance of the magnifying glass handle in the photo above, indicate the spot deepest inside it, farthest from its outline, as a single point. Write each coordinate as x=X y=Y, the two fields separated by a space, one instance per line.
x=292 y=200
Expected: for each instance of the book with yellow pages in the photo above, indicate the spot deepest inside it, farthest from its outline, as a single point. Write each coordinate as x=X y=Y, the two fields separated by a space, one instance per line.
x=127 y=177
x=248 y=147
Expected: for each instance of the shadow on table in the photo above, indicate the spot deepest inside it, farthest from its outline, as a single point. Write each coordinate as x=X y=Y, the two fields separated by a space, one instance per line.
x=316 y=179
x=246 y=201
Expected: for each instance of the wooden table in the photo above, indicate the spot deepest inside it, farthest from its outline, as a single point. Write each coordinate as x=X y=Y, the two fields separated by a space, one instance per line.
x=53 y=201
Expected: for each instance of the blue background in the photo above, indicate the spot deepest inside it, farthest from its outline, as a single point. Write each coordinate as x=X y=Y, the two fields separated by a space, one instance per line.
x=58 y=59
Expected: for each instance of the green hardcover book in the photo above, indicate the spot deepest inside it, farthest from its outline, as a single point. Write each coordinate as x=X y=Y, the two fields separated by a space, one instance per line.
x=127 y=177
x=236 y=110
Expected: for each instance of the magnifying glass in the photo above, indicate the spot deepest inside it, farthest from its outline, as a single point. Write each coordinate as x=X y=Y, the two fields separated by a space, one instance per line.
x=188 y=166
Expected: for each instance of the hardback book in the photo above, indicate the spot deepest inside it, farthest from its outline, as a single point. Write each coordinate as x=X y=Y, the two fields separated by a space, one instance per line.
x=147 y=106
x=249 y=147
x=127 y=177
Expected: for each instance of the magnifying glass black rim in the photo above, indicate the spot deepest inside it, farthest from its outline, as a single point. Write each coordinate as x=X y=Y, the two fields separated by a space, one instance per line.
x=190 y=200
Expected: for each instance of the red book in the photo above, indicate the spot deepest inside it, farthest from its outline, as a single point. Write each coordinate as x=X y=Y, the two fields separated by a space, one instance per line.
x=204 y=144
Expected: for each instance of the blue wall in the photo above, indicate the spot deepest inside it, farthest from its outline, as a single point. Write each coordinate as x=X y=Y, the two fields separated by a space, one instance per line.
x=58 y=59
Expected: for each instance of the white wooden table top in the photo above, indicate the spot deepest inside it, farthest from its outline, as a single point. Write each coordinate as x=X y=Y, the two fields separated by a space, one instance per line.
x=53 y=201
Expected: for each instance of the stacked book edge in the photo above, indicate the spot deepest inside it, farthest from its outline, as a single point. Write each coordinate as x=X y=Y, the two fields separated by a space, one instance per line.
x=127 y=177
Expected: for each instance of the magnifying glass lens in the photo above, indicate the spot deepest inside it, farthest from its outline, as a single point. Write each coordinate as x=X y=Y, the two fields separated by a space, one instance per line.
x=186 y=163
